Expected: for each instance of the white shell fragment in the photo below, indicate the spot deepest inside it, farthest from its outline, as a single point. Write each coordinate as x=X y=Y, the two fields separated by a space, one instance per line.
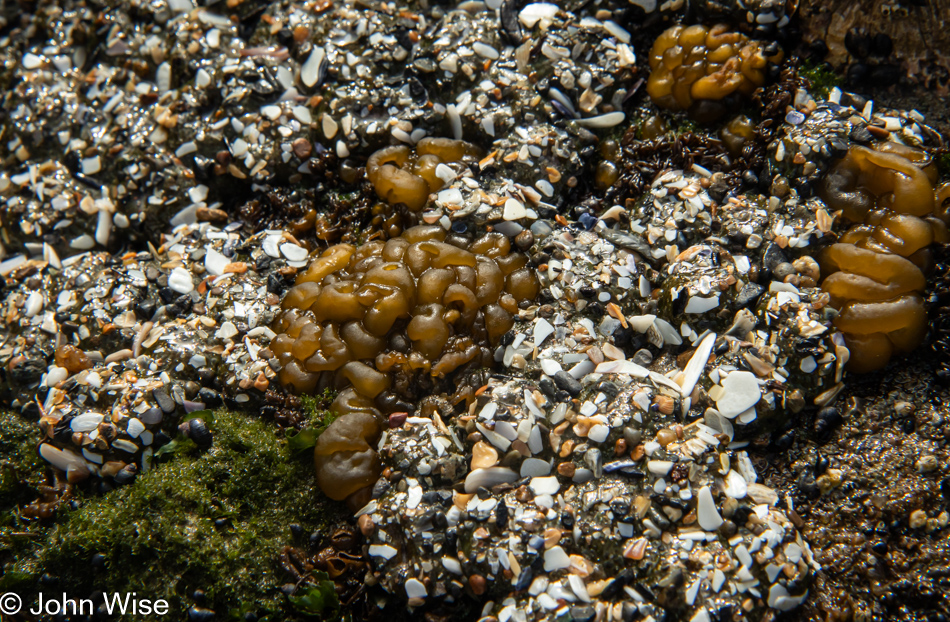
x=310 y=72
x=382 y=550
x=293 y=252
x=86 y=422
x=544 y=485
x=135 y=427
x=181 y=281
x=535 y=467
x=65 y=460
x=603 y=121
x=532 y=13
x=91 y=166
x=708 y=515
x=514 y=210
x=542 y=330
x=415 y=589
x=215 y=262
x=556 y=559
x=34 y=304
x=740 y=393
x=697 y=363
x=735 y=485
x=700 y=304
x=487 y=478
x=779 y=598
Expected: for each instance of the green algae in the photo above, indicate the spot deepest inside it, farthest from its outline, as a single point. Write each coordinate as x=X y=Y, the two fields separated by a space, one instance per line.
x=19 y=462
x=318 y=418
x=943 y=167
x=20 y=475
x=215 y=521
x=822 y=78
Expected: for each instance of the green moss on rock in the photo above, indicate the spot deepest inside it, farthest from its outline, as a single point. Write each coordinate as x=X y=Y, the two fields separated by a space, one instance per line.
x=214 y=521
x=19 y=462
x=822 y=78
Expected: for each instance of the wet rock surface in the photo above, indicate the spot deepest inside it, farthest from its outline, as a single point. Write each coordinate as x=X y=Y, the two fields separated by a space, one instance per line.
x=664 y=429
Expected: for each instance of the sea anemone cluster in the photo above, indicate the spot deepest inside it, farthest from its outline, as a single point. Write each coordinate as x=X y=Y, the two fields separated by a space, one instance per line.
x=701 y=69
x=875 y=273
x=403 y=175
x=420 y=303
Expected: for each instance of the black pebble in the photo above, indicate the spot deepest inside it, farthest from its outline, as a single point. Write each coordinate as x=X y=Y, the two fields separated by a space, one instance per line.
x=882 y=45
x=501 y=515
x=857 y=44
x=806 y=483
x=286 y=37
x=741 y=515
x=209 y=396
x=595 y=309
x=625 y=337
x=860 y=134
x=184 y=302
x=818 y=49
x=838 y=147
x=200 y=614
x=165 y=401
x=275 y=284
x=828 y=419
x=263 y=262
x=908 y=425
x=29 y=371
x=167 y=294
x=857 y=73
x=773 y=257
x=198 y=432
x=31 y=410
x=145 y=310
x=885 y=75
x=608 y=388
x=784 y=441
x=547 y=388
x=749 y=294
x=48 y=580
x=567 y=382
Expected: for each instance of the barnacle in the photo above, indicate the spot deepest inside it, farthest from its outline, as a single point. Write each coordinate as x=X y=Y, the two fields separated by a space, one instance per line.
x=694 y=64
x=875 y=273
x=419 y=303
x=403 y=175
